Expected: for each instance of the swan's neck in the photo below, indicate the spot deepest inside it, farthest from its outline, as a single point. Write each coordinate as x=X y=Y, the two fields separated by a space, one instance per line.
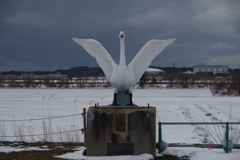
x=122 y=61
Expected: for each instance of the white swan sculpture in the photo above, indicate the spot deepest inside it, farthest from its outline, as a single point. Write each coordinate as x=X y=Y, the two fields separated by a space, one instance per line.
x=122 y=76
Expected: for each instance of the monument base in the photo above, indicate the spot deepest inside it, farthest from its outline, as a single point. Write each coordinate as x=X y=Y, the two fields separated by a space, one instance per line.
x=121 y=131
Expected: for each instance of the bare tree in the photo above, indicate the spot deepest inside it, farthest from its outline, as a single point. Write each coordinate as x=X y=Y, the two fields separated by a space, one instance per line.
x=29 y=82
x=63 y=82
x=49 y=82
x=227 y=85
x=170 y=79
x=13 y=83
x=154 y=81
x=1 y=81
x=183 y=80
x=143 y=80
x=235 y=84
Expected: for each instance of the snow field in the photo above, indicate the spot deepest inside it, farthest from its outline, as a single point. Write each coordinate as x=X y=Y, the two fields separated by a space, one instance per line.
x=173 y=105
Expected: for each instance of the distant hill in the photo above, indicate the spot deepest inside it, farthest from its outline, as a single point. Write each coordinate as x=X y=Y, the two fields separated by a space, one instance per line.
x=85 y=71
x=82 y=71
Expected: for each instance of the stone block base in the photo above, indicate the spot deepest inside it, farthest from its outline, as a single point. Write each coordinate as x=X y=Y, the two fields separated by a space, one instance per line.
x=121 y=131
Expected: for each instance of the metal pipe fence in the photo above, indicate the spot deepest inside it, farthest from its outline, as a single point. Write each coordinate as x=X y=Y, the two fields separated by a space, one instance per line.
x=19 y=131
x=192 y=123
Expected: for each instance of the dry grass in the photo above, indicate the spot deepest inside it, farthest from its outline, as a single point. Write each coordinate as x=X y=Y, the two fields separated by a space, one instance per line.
x=54 y=149
x=50 y=131
x=218 y=131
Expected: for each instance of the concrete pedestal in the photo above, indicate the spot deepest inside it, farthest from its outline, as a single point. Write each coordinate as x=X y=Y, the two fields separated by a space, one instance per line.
x=121 y=131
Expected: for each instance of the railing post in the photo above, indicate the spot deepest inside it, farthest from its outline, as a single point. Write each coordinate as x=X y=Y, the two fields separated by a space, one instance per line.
x=159 y=137
x=227 y=137
x=85 y=127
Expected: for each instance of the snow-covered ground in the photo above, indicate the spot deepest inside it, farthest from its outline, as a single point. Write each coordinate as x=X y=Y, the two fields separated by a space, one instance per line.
x=173 y=105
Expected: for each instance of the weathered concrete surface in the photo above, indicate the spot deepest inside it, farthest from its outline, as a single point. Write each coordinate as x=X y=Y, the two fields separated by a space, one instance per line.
x=121 y=131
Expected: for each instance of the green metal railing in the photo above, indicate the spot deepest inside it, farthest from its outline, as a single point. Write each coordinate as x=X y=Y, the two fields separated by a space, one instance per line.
x=200 y=123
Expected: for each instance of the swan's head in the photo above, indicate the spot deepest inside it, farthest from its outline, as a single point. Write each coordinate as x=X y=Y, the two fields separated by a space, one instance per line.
x=121 y=34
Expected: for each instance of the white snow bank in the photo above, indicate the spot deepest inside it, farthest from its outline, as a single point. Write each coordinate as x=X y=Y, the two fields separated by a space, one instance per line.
x=203 y=153
x=77 y=155
x=193 y=153
x=6 y=149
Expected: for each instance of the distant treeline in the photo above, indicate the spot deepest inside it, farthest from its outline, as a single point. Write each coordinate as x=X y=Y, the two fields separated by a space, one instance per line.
x=85 y=77
x=84 y=71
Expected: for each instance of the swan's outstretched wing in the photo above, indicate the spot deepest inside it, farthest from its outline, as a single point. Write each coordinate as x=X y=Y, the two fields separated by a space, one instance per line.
x=143 y=59
x=95 y=49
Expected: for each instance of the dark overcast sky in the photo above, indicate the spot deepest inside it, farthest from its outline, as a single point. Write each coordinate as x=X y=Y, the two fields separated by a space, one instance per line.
x=36 y=34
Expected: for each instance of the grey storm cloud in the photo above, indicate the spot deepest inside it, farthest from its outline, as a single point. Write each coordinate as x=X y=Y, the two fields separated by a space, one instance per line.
x=36 y=34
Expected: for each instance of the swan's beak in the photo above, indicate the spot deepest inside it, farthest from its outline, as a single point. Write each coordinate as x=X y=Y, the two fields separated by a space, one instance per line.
x=122 y=35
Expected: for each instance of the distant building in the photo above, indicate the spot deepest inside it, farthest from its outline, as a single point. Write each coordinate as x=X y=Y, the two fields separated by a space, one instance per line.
x=187 y=72
x=201 y=67
x=155 y=72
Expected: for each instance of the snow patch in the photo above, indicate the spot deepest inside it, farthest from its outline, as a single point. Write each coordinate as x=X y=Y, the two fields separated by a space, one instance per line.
x=77 y=155
x=7 y=149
